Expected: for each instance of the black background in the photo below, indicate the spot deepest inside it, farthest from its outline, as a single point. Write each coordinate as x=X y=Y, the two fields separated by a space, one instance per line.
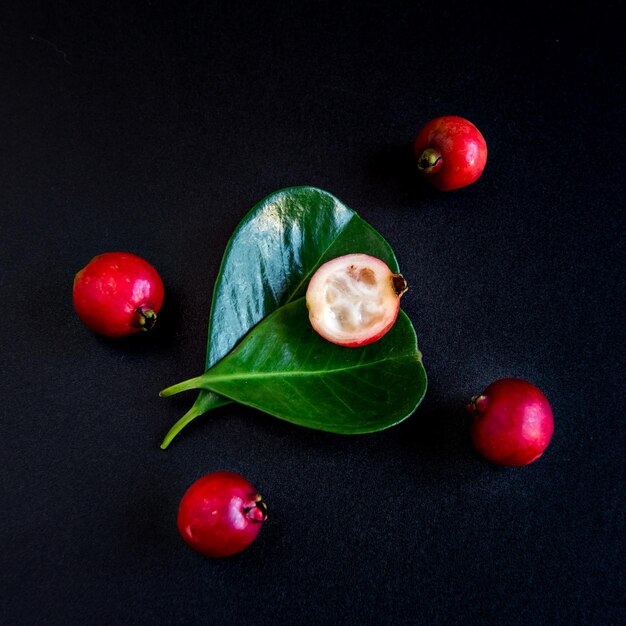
x=153 y=127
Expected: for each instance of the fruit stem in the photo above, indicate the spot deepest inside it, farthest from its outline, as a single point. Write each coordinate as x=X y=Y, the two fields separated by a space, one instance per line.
x=146 y=319
x=430 y=161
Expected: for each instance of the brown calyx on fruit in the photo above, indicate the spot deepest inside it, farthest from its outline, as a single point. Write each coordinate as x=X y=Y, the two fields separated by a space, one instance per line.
x=256 y=510
x=400 y=285
x=430 y=161
x=477 y=405
x=145 y=319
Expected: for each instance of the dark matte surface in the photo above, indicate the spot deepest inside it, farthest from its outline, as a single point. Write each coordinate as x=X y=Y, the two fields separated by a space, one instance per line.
x=153 y=128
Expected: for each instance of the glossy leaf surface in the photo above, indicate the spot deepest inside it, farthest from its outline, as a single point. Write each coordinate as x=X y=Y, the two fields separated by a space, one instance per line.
x=274 y=252
x=267 y=263
x=283 y=367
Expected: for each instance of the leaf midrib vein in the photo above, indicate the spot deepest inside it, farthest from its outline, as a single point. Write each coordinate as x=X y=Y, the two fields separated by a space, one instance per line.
x=283 y=374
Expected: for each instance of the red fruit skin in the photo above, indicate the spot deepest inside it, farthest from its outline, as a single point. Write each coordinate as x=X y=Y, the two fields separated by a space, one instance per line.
x=462 y=150
x=513 y=422
x=118 y=294
x=221 y=514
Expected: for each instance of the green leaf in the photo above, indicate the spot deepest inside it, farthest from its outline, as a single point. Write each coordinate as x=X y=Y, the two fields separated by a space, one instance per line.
x=268 y=262
x=283 y=367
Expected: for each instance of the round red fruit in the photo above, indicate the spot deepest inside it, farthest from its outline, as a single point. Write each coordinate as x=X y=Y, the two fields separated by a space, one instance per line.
x=512 y=422
x=451 y=152
x=118 y=294
x=221 y=514
x=354 y=299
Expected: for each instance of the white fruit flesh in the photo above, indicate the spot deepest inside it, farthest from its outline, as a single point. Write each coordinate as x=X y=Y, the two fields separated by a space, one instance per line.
x=353 y=299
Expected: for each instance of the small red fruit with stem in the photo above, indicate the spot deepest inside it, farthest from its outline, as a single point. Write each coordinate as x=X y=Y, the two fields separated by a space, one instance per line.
x=118 y=294
x=354 y=299
x=221 y=514
x=451 y=152
x=513 y=422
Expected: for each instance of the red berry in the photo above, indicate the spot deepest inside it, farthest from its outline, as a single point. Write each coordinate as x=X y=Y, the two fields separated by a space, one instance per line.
x=221 y=514
x=118 y=294
x=512 y=423
x=354 y=299
x=451 y=152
